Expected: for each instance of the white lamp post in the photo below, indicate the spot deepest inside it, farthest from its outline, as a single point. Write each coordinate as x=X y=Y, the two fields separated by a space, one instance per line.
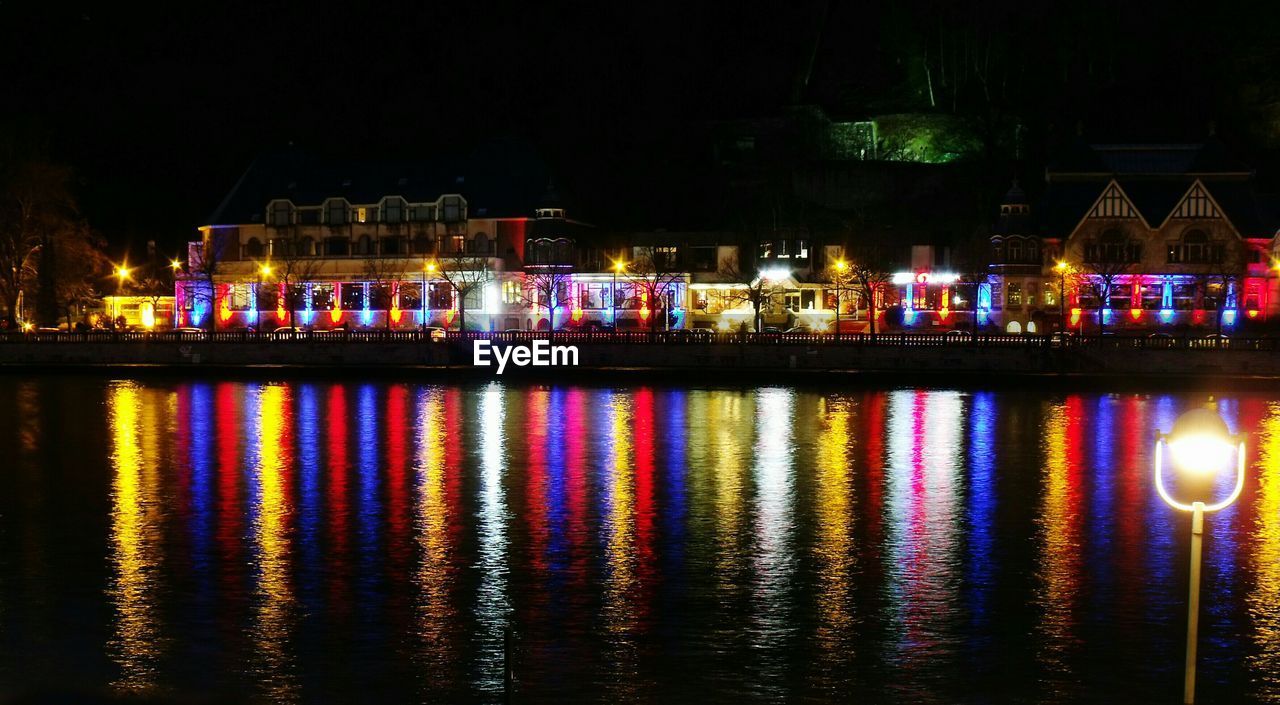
x=1200 y=446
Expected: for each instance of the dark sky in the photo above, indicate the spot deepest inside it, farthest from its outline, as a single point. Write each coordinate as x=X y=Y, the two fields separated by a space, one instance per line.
x=159 y=109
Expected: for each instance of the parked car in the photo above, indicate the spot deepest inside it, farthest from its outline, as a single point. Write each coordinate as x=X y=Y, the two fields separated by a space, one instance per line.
x=802 y=329
x=436 y=333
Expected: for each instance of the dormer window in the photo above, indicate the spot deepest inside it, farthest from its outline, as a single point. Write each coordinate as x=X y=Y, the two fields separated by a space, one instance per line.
x=362 y=215
x=335 y=212
x=280 y=213
x=393 y=210
x=453 y=209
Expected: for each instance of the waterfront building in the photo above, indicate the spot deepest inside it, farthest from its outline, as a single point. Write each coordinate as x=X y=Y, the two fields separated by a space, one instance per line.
x=1139 y=238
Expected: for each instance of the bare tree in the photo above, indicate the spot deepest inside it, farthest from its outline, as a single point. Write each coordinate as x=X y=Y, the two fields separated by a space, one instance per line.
x=972 y=260
x=204 y=265
x=654 y=273
x=841 y=282
x=1101 y=277
x=547 y=288
x=756 y=289
x=870 y=269
x=292 y=266
x=466 y=274
x=384 y=275
x=36 y=208
x=82 y=262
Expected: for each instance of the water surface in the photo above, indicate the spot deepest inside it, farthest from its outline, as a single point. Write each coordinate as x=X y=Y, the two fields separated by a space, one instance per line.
x=374 y=542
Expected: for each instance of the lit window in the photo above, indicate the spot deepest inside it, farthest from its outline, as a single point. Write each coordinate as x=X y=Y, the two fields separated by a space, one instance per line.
x=510 y=292
x=362 y=214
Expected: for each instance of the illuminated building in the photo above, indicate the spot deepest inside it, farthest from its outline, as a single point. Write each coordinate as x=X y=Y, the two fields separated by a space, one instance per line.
x=1152 y=237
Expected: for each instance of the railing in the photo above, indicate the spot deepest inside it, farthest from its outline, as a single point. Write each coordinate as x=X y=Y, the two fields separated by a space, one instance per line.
x=951 y=339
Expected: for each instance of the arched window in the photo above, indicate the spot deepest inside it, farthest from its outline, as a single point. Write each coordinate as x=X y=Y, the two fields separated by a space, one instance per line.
x=253 y=248
x=1013 y=327
x=364 y=246
x=306 y=247
x=481 y=244
x=997 y=249
x=563 y=252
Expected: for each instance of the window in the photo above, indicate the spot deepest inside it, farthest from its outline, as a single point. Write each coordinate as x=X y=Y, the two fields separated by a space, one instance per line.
x=1184 y=296
x=336 y=246
x=1015 y=250
x=307 y=247
x=392 y=245
x=457 y=244
x=352 y=296
x=1112 y=247
x=802 y=249
x=322 y=297
x=253 y=248
x=410 y=295
x=997 y=249
x=704 y=259
x=308 y=216
x=510 y=292
x=281 y=214
x=424 y=213
x=422 y=245
x=393 y=210
x=453 y=209
x=665 y=258
x=563 y=252
x=766 y=249
x=336 y=212
x=362 y=215
x=1120 y=297
x=481 y=244
x=364 y=246
x=1032 y=290
x=1152 y=296
x=1050 y=296
x=1013 y=295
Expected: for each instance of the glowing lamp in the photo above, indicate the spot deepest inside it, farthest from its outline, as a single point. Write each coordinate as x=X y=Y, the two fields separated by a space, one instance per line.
x=1201 y=445
x=1229 y=316
x=335 y=314
x=1166 y=314
x=396 y=315
x=265 y=270
x=644 y=313
x=224 y=310
x=775 y=274
x=1135 y=313
x=448 y=317
x=28 y=326
x=175 y=265
x=280 y=313
x=943 y=313
x=576 y=315
x=1253 y=313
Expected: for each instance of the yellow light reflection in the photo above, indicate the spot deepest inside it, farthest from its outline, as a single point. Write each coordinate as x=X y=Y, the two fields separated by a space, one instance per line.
x=1059 y=573
x=1264 y=597
x=835 y=546
x=274 y=596
x=135 y=644
x=620 y=550
x=434 y=576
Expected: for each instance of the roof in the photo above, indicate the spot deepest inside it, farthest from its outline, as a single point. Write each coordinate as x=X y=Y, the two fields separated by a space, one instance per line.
x=497 y=181
x=1066 y=203
x=1178 y=159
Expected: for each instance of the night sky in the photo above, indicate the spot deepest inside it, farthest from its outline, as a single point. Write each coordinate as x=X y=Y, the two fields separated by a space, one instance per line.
x=159 y=112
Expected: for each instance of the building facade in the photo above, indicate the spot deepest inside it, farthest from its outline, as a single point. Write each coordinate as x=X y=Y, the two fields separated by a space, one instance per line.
x=1136 y=238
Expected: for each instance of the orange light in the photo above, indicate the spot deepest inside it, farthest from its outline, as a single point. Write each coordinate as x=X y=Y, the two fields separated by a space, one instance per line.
x=1075 y=316
x=1253 y=313
x=577 y=315
x=644 y=313
x=943 y=313
x=280 y=313
x=224 y=310
x=448 y=317
x=335 y=314
x=396 y=315
x=1136 y=313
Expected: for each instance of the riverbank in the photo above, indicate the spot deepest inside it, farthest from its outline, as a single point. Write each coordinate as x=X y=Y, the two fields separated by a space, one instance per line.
x=698 y=363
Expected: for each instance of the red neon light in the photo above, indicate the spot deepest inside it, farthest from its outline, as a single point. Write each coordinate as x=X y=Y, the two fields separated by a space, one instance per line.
x=1136 y=313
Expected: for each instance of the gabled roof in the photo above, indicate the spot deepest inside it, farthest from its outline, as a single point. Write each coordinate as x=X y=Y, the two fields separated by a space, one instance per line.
x=496 y=183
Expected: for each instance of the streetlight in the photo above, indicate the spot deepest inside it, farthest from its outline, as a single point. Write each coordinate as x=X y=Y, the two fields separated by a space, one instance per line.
x=427 y=268
x=1061 y=268
x=264 y=271
x=841 y=267
x=618 y=266
x=1200 y=445
x=122 y=273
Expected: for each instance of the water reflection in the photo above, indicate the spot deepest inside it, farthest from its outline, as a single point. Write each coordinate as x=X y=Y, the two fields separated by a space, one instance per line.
x=340 y=542
x=135 y=533
x=273 y=587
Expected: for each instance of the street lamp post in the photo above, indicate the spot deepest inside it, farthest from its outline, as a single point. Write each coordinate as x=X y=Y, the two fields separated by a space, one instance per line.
x=1199 y=445
x=263 y=272
x=1061 y=266
x=428 y=268
x=841 y=266
x=613 y=295
x=122 y=273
